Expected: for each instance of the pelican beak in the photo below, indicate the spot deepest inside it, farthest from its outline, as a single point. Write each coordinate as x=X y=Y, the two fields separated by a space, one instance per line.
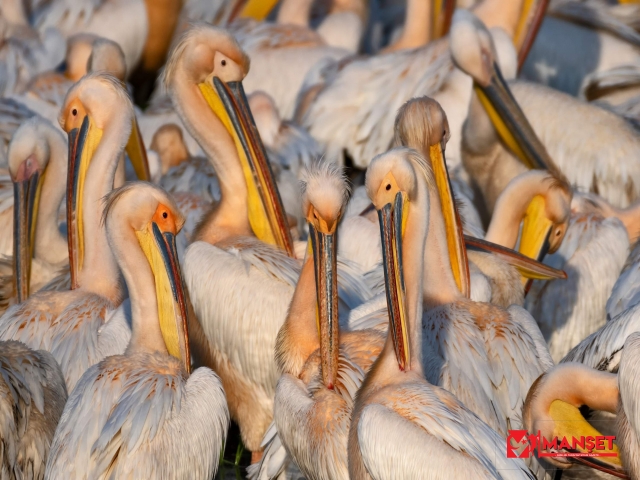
x=138 y=153
x=511 y=124
x=536 y=228
x=527 y=267
x=531 y=17
x=442 y=15
x=84 y=138
x=257 y=9
x=266 y=214
x=392 y=219
x=453 y=225
x=158 y=242
x=324 y=246
x=26 y=190
x=569 y=423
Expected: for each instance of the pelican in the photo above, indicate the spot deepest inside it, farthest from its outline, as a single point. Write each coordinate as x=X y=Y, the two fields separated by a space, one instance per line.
x=32 y=397
x=403 y=426
x=143 y=413
x=82 y=326
x=142 y=28
x=552 y=408
x=38 y=168
x=365 y=93
x=321 y=368
x=596 y=151
x=239 y=270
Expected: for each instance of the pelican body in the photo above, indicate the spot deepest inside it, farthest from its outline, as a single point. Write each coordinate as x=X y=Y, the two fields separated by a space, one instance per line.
x=144 y=414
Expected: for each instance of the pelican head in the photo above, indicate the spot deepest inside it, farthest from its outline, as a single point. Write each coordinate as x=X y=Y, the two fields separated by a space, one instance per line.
x=552 y=407
x=547 y=217
x=143 y=219
x=107 y=56
x=422 y=124
x=95 y=105
x=168 y=142
x=392 y=184
x=79 y=47
x=29 y=153
x=205 y=72
x=473 y=51
x=324 y=197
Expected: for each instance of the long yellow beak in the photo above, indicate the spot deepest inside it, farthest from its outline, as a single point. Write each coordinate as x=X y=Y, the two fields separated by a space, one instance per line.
x=531 y=17
x=441 y=18
x=160 y=249
x=83 y=142
x=257 y=9
x=266 y=214
x=526 y=266
x=452 y=222
x=392 y=218
x=511 y=124
x=138 y=153
x=84 y=138
x=324 y=246
x=536 y=228
x=569 y=423
x=26 y=190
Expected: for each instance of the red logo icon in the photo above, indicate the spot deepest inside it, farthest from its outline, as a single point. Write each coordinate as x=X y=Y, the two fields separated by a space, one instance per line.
x=522 y=444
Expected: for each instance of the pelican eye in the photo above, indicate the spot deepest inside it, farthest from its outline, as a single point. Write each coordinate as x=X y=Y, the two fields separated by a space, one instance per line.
x=388 y=187
x=164 y=215
x=74 y=112
x=224 y=63
x=558 y=232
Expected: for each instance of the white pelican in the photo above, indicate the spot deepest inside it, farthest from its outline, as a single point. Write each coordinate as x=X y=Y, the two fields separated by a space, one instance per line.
x=553 y=403
x=144 y=414
x=239 y=281
x=32 y=396
x=485 y=355
x=82 y=326
x=403 y=426
x=365 y=93
x=38 y=168
x=321 y=368
x=595 y=149
x=142 y=28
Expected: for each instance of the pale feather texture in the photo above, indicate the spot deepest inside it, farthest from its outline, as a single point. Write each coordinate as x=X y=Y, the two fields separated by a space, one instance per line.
x=32 y=397
x=486 y=356
x=141 y=416
x=598 y=152
x=418 y=431
x=626 y=291
x=78 y=328
x=592 y=253
x=241 y=296
x=276 y=48
x=357 y=102
x=628 y=420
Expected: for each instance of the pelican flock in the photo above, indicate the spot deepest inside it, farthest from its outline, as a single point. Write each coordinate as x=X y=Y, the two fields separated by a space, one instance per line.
x=319 y=239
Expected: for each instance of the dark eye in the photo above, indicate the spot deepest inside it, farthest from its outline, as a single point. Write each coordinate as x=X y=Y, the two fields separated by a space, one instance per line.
x=164 y=215
x=223 y=62
x=74 y=112
x=558 y=232
x=388 y=187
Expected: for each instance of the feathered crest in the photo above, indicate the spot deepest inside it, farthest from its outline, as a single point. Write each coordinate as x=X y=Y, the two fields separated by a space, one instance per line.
x=420 y=123
x=324 y=182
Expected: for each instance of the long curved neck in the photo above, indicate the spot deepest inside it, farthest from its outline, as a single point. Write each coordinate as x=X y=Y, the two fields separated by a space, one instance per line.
x=230 y=217
x=295 y=12
x=145 y=326
x=439 y=286
x=580 y=385
x=99 y=272
x=512 y=206
x=298 y=336
x=500 y=13
x=50 y=245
